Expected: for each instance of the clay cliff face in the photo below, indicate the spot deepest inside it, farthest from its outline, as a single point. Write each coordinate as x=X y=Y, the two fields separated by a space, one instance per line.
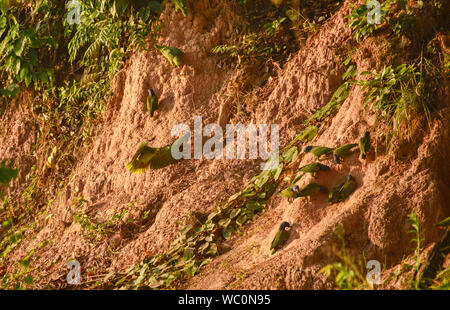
x=413 y=177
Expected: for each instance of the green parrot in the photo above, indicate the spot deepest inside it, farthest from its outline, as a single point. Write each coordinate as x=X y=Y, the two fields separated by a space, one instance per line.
x=152 y=102
x=341 y=151
x=155 y=158
x=318 y=150
x=444 y=223
x=310 y=190
x=313 y=168
x=290 y=192
x=172 y=54
x=182 y=6
x=280 y=238
x=364 y=144
x=333 y=195
x=347 y=188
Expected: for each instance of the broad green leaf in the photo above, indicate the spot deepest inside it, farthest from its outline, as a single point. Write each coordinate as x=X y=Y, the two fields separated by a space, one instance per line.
x=227 y=232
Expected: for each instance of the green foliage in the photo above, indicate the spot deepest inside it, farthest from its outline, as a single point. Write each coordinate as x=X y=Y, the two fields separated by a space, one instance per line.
x=96 y=231
x=7 y=172
x=347 y=274
x=23 y=51
x=338 y=96
x=358 y=19
x=85 y=58
x=418 y=240
x=182 y=6
x=442 y=280
x=10 y=91
x=273 y=27
x=395 y=94
x=251 y=47
x=303 y=25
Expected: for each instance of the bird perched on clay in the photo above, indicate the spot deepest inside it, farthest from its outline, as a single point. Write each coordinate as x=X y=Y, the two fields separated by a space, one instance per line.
x=290 y=192
x=347 y=188
x=318 y=151
x=364 y=145
x=152 y=102
x=313 y=168
x=341 y=151
x=153 y=158
x=281 y=237
x=310 y=189
x=172 y=54
x=334 y=194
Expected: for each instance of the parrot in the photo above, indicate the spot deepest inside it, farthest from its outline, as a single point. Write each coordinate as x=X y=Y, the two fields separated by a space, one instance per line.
x=444 y=223
x=152 y=102
x=172 y=54
x=364 y=145
x=310 y=190
x=155 y=158
x=333 y=195
x=181 y=5
x=341 y=151
x=281 y=237
x=289 y=192
x=313 y=168
x=318 y=150
x=347 y=188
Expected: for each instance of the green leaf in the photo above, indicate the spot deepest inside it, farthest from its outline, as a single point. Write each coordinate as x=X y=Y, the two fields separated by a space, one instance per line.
x=19 y=45
x=188 y=254
x=290 y=154
x=7 y=173
x=224 y=222
x=203 y=247
x=241 y=219
x=227 y=232
x=278 y=172
x=16 y=66
x=234 y=213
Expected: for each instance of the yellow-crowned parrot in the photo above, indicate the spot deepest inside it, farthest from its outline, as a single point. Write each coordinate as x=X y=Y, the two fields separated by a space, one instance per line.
x=281 y=237
x=341 y=151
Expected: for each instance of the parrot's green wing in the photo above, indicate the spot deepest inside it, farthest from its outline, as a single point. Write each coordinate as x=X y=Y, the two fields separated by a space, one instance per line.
x=321 y=150
x=162 y=158
x=343 y=150
x=308 y=190
x=172 y=54
x=444 y=223
x=333 y=195
x=298 y=178
x=287 y=192
x=346 y=189
x=310 y=168
x=141 y=159
x=279 y=240
x=152 y=104
x=182 y=6
x=364 y=146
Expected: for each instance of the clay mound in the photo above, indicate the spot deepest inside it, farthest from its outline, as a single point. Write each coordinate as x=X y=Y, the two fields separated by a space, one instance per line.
x=411 y=178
